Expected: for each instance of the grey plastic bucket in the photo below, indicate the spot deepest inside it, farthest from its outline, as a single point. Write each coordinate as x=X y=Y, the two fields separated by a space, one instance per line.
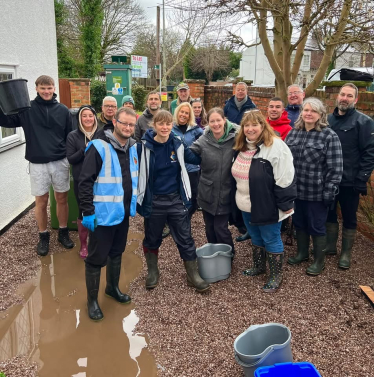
x=214 y=261
x=14 y=96
x=263 y=345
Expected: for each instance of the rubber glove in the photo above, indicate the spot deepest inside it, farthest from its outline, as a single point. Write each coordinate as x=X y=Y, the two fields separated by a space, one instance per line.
x=90 y=222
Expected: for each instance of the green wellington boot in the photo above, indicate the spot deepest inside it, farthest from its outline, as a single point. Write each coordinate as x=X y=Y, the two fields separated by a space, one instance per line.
x=259 y=262
x=319 y=244
x=153 y=272
x=275 y=261
x=332 y=232
x=193 y=277
x=348 y=239
x=302 y=240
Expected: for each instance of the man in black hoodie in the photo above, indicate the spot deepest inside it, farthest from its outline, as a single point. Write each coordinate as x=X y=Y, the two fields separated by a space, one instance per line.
x=356 y=133
x=46 y=126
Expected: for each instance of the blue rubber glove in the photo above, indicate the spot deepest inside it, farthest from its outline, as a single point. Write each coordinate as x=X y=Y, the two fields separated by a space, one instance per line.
x=90 y=222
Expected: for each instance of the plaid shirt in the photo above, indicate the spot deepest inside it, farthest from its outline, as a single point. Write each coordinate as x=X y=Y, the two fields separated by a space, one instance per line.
x=318 y=161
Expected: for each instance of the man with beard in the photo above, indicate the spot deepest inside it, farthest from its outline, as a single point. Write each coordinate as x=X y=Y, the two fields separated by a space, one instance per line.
x=108 y=192
x=153 y=106
x=183 y=91
x=356 y=133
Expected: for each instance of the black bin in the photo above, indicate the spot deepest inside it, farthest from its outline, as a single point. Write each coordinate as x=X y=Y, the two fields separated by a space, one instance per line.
x=14 y=96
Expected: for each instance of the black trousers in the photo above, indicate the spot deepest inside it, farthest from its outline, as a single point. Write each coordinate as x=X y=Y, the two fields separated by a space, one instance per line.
x=348 y=200
x=170 y=209
x=310 y=217
x=216 y=229
x=80 y=217
x=107 y=241
x=194 y=182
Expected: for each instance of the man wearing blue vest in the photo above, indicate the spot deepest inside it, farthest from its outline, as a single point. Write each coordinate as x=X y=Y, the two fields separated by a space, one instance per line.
x=108 y=193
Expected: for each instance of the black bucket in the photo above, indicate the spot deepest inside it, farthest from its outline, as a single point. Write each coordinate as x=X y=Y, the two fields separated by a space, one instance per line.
x=14 y=96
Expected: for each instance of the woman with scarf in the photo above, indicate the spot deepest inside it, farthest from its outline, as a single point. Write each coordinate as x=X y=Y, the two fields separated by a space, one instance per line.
x=75 y=146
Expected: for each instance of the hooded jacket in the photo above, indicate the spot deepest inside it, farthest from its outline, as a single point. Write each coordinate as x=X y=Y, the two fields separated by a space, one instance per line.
x=281 y=125
x=356 y=134
x=46 y=126
x=293 y=112
x=147 y=163
x=232 y=112
x=191 y=135
x=142 y=124
x=91 y=168
x=215 y=181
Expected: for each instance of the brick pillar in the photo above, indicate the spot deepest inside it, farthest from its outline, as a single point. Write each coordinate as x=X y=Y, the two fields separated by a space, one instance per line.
x=80 y=92
x=196 y=88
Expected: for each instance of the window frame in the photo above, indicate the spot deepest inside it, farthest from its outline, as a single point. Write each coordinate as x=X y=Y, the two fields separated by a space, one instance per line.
x=18 y=138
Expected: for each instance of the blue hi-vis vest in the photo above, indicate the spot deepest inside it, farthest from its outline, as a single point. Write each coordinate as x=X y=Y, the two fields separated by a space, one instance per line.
x=108 y=189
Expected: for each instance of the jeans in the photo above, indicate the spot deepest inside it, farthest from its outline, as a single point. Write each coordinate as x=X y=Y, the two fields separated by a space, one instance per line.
x=267 y=236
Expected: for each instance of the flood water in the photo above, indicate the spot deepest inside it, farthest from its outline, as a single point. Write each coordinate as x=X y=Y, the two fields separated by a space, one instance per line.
x=53 y=328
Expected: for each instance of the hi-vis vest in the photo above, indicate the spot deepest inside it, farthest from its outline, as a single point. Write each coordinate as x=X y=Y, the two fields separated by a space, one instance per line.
x=108 y=189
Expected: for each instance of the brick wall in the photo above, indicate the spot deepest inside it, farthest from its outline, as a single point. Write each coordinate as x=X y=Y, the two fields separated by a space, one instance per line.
x=80 y=92
x=216 y=96
x=261 y=97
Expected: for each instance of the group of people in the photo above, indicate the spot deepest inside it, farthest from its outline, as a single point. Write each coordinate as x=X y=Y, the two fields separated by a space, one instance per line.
x=237 y=165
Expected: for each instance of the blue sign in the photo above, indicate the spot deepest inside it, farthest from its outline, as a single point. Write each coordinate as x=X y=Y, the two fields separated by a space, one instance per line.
x=120 y=91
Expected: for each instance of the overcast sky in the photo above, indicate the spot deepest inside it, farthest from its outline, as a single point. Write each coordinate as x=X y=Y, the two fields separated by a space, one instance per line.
x=150 y=9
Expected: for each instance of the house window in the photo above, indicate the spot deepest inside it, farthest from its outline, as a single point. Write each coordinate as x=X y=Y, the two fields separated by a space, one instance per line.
x=306 y=63
x=9 y=136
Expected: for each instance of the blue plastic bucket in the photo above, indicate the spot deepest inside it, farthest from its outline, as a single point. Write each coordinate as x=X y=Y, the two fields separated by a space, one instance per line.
x=288 y=370
x=263 y=345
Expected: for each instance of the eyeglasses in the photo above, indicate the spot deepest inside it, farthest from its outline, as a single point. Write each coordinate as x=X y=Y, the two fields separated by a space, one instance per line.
x=125 y=124
x=294 y=93
x=110 y=106
x=196 y=100
x=251 y=111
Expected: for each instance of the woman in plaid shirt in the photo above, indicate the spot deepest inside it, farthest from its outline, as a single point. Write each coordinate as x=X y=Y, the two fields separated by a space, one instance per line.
x=318 y=162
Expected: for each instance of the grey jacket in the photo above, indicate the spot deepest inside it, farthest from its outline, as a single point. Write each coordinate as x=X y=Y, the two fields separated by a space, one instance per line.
x=215 y=180
x=142 y=124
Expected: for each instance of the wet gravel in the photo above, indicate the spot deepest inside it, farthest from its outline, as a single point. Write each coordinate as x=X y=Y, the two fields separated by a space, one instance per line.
x=192 y=334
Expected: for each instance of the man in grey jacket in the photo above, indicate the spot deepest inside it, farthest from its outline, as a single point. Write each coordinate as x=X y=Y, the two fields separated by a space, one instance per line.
x=153 y=106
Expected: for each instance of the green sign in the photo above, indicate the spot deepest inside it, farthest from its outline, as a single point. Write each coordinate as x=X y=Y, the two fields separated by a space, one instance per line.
x=117 y=79
x=157 y=66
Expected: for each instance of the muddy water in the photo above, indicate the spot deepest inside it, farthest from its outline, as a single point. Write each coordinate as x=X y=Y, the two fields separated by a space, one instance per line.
x=53 y=328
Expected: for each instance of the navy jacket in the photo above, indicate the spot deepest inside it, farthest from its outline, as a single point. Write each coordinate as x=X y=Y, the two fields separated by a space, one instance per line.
x=293 y=112
x=233 y=114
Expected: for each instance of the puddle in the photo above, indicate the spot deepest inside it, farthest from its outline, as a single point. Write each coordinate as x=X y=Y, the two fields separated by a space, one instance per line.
x=53 y=329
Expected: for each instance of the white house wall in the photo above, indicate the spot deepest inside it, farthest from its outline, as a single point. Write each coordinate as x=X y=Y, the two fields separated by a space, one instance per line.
x=28 y=44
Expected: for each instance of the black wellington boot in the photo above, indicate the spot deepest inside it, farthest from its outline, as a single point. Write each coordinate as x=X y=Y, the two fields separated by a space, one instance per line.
x=153 y=273
x=319 y=246
x=93 y=284
x=275 y=261
x=113 y=272
x=43 y=245
x=193 y=277
x=243 y=237
x=259 y=262
x=302 y=241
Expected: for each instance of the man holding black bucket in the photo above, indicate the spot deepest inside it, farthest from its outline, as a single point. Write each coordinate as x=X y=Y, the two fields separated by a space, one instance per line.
x=46 y=126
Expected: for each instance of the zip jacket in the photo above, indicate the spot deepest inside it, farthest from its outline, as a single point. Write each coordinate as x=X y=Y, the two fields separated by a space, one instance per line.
x=293 y=112
x=318 y=161
x=142 y=124
x=232 y=112
x=191 y=135
x=147 y=163
x=272 y=186
x=356 y=134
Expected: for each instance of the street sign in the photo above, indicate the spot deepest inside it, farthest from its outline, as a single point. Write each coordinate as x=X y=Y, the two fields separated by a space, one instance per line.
x=120 y=91
x=139 y=66
x=157 y=66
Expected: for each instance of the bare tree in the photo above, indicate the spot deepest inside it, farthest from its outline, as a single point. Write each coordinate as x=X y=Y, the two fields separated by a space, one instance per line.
x=284 y=27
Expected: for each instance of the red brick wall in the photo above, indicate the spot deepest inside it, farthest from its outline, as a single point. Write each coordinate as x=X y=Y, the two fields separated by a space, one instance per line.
x=80 y=92
x=216 y=96
x=196 y=88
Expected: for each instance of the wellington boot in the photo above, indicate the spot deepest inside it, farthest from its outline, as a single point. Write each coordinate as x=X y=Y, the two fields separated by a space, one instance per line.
x=332 y=232
x=275 y=261
x=153 y=272
x=83 y=235
x=259 y=262
x=348 y=239
x=113 y=272
x=43 y=245
x=302 y=241
x=193 y=277
x=64 y=238
x=93 y=284
x=243 y=237
x=319 y=245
